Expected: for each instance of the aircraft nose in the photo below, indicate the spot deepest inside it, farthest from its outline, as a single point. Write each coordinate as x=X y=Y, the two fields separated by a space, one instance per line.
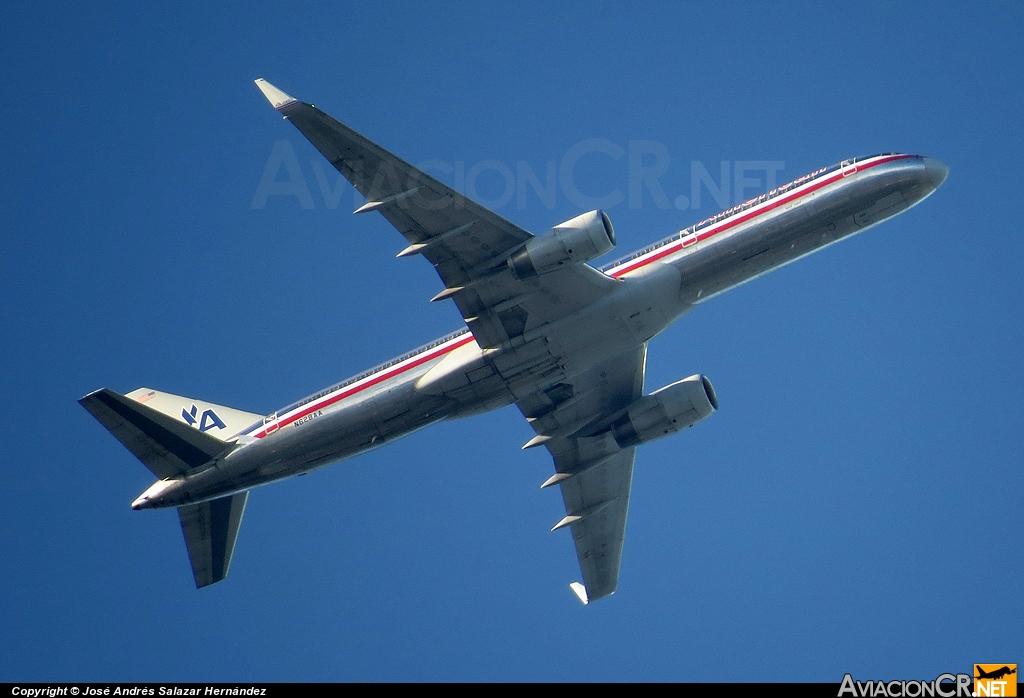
x=142 y=503
x=937 y=171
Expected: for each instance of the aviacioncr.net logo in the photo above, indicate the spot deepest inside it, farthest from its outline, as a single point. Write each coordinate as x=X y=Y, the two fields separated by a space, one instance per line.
x=943 y=686
x=995 y=680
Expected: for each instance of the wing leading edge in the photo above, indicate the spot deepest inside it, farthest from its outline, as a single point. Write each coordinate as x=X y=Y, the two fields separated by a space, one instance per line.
x=467 y=244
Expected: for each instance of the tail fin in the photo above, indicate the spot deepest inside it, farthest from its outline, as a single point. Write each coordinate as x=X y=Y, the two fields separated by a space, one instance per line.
x=215 y=420
x=168 y=433
x=210 y=531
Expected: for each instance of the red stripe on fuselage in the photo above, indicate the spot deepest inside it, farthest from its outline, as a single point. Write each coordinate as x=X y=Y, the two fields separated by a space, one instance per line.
x=329 y=400
x=729 y=223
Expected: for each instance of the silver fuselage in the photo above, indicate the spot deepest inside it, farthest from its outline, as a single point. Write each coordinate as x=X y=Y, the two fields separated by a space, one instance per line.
x=453 y=377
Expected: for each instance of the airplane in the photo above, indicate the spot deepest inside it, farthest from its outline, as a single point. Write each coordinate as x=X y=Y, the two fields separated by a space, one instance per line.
x=564 y=341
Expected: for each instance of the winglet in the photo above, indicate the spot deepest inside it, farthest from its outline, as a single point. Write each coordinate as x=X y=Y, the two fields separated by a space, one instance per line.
x=580 y=591
x=275 y=96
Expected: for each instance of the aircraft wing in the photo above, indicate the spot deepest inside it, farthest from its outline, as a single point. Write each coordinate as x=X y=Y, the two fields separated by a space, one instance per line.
x=469 y=246
x=593 y=473
x=467 y=243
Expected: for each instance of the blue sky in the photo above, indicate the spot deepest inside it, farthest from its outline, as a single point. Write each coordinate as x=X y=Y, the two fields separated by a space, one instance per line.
x=849 y=509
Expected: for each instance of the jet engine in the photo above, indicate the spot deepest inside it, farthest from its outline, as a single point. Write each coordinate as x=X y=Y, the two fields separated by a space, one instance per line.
x=577 y=240
x=666 y=411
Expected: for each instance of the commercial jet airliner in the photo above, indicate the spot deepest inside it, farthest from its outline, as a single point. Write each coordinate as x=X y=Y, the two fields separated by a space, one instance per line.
x=562 y=340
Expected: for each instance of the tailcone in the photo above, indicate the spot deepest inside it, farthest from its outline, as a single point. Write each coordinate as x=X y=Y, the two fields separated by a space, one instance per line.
x=158 y=495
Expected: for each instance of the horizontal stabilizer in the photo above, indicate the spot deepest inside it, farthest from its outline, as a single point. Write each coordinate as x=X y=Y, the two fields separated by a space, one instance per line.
x=168 y=447
x=211 y=529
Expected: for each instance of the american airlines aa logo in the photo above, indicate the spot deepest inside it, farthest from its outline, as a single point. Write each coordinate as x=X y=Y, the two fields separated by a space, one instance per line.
x=208 y=421
x=995 y=680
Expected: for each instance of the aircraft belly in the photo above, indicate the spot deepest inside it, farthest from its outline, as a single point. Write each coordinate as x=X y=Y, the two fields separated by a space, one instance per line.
x=642 y=306
x=401 y=409
x=359 y=425
x=342 y=431
x=465 y=382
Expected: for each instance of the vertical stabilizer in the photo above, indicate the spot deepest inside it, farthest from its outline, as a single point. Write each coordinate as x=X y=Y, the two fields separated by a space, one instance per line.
x=213 y=420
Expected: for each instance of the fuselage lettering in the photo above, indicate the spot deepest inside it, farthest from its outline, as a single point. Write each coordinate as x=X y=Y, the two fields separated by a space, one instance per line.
x=309 y=417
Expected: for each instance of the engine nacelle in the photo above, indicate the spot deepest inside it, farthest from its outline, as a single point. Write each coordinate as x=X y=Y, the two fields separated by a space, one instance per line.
x=666 y=411
x=577 y=240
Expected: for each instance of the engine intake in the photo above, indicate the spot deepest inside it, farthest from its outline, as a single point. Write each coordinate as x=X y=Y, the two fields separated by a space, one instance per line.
x=576 y=241
x=666 y=411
